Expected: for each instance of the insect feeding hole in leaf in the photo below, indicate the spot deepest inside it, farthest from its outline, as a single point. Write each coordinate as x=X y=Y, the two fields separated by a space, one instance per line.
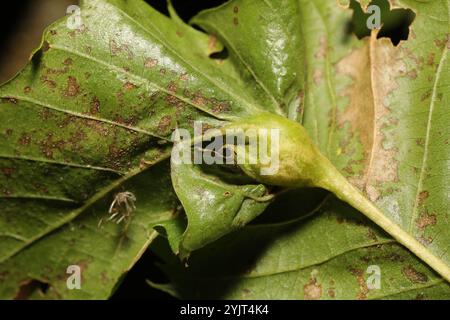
x=221 y=55
x=395 y=23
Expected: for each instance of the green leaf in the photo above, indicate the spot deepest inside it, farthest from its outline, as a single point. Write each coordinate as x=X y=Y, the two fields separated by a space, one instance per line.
x=265 y=43
x=214 y=206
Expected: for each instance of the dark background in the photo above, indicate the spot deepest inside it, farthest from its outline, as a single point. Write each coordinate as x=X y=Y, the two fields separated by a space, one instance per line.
x=23 y=21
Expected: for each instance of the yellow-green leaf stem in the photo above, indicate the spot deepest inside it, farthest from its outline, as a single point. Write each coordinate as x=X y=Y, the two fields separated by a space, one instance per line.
x=345 y=191
x=301 y=164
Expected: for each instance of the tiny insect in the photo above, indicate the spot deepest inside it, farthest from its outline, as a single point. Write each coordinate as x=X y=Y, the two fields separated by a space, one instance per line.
x=122 y=207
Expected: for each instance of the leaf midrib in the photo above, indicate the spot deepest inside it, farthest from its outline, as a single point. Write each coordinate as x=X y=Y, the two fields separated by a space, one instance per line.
x=61 y=163
x=79 y=115
x=303 y=267
x=138 y=78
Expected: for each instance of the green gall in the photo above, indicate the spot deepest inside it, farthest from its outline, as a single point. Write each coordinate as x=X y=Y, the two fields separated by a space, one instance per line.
x=294 y=159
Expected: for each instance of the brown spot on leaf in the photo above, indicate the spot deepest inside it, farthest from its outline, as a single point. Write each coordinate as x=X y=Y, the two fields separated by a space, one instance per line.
x=372 y=192
x=363 y=289
x=420 y=142
x=442 y=43
x=48 y=82
x=425 y=220
x=48 y=145
x=331 y=293
x=115 y=156
x=184 y=77
x=95 y=106
x=72 y=89
x=66 y=121
x=56 y=71
x=129 y=86
x=426 y=241
x=164 y=124
x=68 y=62
x=425 y=96
x=412 y=74
x=199 y=99
x=413 y=275
x=24 y=139
x=235 y=21
x=323 y=48
x=80 y=30
x=114 y=47
x=430 y=60
x=236 y=9
x=150 y=63
x=125 y=121
x=98 y=127
x=317 y=76
x=27 y=90
x=172 y=100
x=423 y=195
x=219 y=107
x=172 y=87
x=312 y=290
